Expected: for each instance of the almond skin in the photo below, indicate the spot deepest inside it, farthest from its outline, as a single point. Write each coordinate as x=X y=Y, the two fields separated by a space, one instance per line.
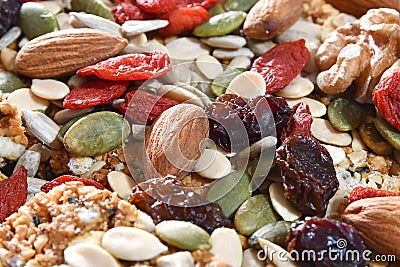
x=377 y=220
x=360 y=7
x=63 y=52
x=174 y=141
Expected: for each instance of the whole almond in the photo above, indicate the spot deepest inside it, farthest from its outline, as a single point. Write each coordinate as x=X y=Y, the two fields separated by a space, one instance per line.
x=360 y=7
x=269 y=18
x=174 y=141
x=377 y=220
x=63 y=52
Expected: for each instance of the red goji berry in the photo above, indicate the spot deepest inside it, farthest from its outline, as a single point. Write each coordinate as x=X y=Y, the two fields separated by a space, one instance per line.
x=184 y=19
x=361 y=192
x=69 y=178
x=281 y=64
x=13 y=193
x=130 y=67
x=143 y=108
x=94 y=93
x=204 y=3
x=299 y=123
x=127 y=11
x=157 y=6
x=386 y=96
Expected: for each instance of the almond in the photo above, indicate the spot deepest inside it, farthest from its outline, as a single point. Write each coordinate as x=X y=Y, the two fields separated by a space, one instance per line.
x=175 y=141
x=269 y=18
x=64 y=52
x=377 y=220
x=360 y=7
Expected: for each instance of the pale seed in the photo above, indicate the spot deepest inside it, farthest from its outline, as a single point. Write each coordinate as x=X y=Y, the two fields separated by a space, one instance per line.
x=24 y=99
x=324 y=131
x=212 y=164
x=121 y=183
x=317 y=108
x=248 y=84
x=10 y=36
x=186 y=48
x=30 y=160
x=55 y=7
x=92 y=237
x=227 y=41
x=135 y=27
x=225 y=54
x=251 y=259
x=209 y=66
x=97 y=22
x=225 y=243
x=88 y=255
x=178 y=259
x=65 y=115
x=283 y=260
x=298 y=87
x=337 y=153
x=49 y=89
x=179 y=94
x=240 y=62
x=281 y=205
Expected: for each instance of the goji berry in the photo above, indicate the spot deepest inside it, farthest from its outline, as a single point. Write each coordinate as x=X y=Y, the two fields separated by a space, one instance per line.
x=281 y=64
x=127 y=11
x=94 y=93
x=143 y=108
x=361 y=192
x=69 y=178
x=203 y=3
x=130 y=67
x=157 y=6
x=13 y=193
x=299 y=123
x=386 y=96
x=184 y=19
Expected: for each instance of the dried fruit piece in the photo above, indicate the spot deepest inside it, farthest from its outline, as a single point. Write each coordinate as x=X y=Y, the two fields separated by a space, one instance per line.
x=130 y=67
x=299 y=123
x=308 y=174
x=13 y=192
x=184 y=19
x=127 y=11
x=8 y=14
x=94 y=93
x=69 y=178
x=281 y=64
x=361 y=192
x=204 y=3
x=345 y=114
x=319 y=235
x=386 y=99
x=157 y=6
x=143 y=108
x=220 y=24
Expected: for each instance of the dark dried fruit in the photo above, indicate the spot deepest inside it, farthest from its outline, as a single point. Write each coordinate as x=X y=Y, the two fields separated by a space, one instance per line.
x=167 y=199
x=230 y=113
x=299 y=123
x=308 y=174
x=330 y=242
x=9 y=14
x=361 y=192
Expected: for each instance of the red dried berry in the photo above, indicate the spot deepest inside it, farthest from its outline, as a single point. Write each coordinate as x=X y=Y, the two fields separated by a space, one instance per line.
x=361 y=192
x=299 y=123
x=281 y=64
x=69 y=178
x=386 y=96
x=203 y=3
x=95 y=93
x=143 y=108
x=127 y=11
x=130 y=67
x=13 y=193
x=184 y=19
x=157 y=6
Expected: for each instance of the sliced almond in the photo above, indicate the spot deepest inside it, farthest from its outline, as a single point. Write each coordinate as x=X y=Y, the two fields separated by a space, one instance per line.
x=135 y=27
x=229 y=54
x=298 y=87
x=233 y=252
x=240 y=62
x=281 y=205
x=317 y=108
x=152 y=45
x=97 y=23
x=88 y=255
x=179 y=94
x=357 y=143
x=121 y=183
x=248 y=84
x=24 y=99
x=186 y=48
x=212 y=164
x=209 y=66
x=325 y=132
x=49 y=89
x=337 y=153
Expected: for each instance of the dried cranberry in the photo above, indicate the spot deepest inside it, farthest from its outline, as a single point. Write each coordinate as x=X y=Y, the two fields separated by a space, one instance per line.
x=323 y=242
x=167 y=199
x=308 y=174
x=9 y=14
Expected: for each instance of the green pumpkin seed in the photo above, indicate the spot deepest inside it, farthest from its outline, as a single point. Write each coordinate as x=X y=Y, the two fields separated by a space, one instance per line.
x=66 y=127
x=254 y=213
x=95 y=134
x=230 y=192
x=94 y=7
x=243 y=5
x=183 y=235
x=275 y=232
x=220 y=24
x=345 y=114
x=388 y=132
x=36 y=20
x=218 y=8
x=374 y=141
x=221 y=82
x=9 y=82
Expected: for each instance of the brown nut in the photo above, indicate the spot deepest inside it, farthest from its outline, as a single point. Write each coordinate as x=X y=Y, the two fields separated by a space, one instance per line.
x=269 y=18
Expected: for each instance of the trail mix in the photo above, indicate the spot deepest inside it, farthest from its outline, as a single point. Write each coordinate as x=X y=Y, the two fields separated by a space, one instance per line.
x=199 y=133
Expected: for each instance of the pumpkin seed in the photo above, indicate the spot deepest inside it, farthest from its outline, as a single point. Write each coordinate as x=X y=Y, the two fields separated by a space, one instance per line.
x=209 y=66
x=325 y=132
x=96 y=134
x=225 y=54
x=36 y=20
x=221 y=82
x=212 y=164
x=248 y=84
x=230 y=192
x=95 y=7
x=186 y=48
x=183 y=235
x=371 y=137
x=276 y=232
x=240 y=62
x=227 y=41
x=243 y=5
x=68 y=125
x=233 y=253
x=10 y=36
x=132 y=244
x=317 y=108
x=345 y=114
x=298 y=87
x=10 y=82
x=88 y=255
x=97 y=22
x=135 y=27
x=281 y=205
x=218 y=8
x=220 y=24
x=388 y=132
x=49 y=89
x=254 y=213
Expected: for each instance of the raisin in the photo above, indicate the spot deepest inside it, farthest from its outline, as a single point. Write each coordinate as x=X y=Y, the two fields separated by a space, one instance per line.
x=308 y=174
x=9 y=14
x=230 y=113
x=324 y=242
x=167 y=199
x=299 y=123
